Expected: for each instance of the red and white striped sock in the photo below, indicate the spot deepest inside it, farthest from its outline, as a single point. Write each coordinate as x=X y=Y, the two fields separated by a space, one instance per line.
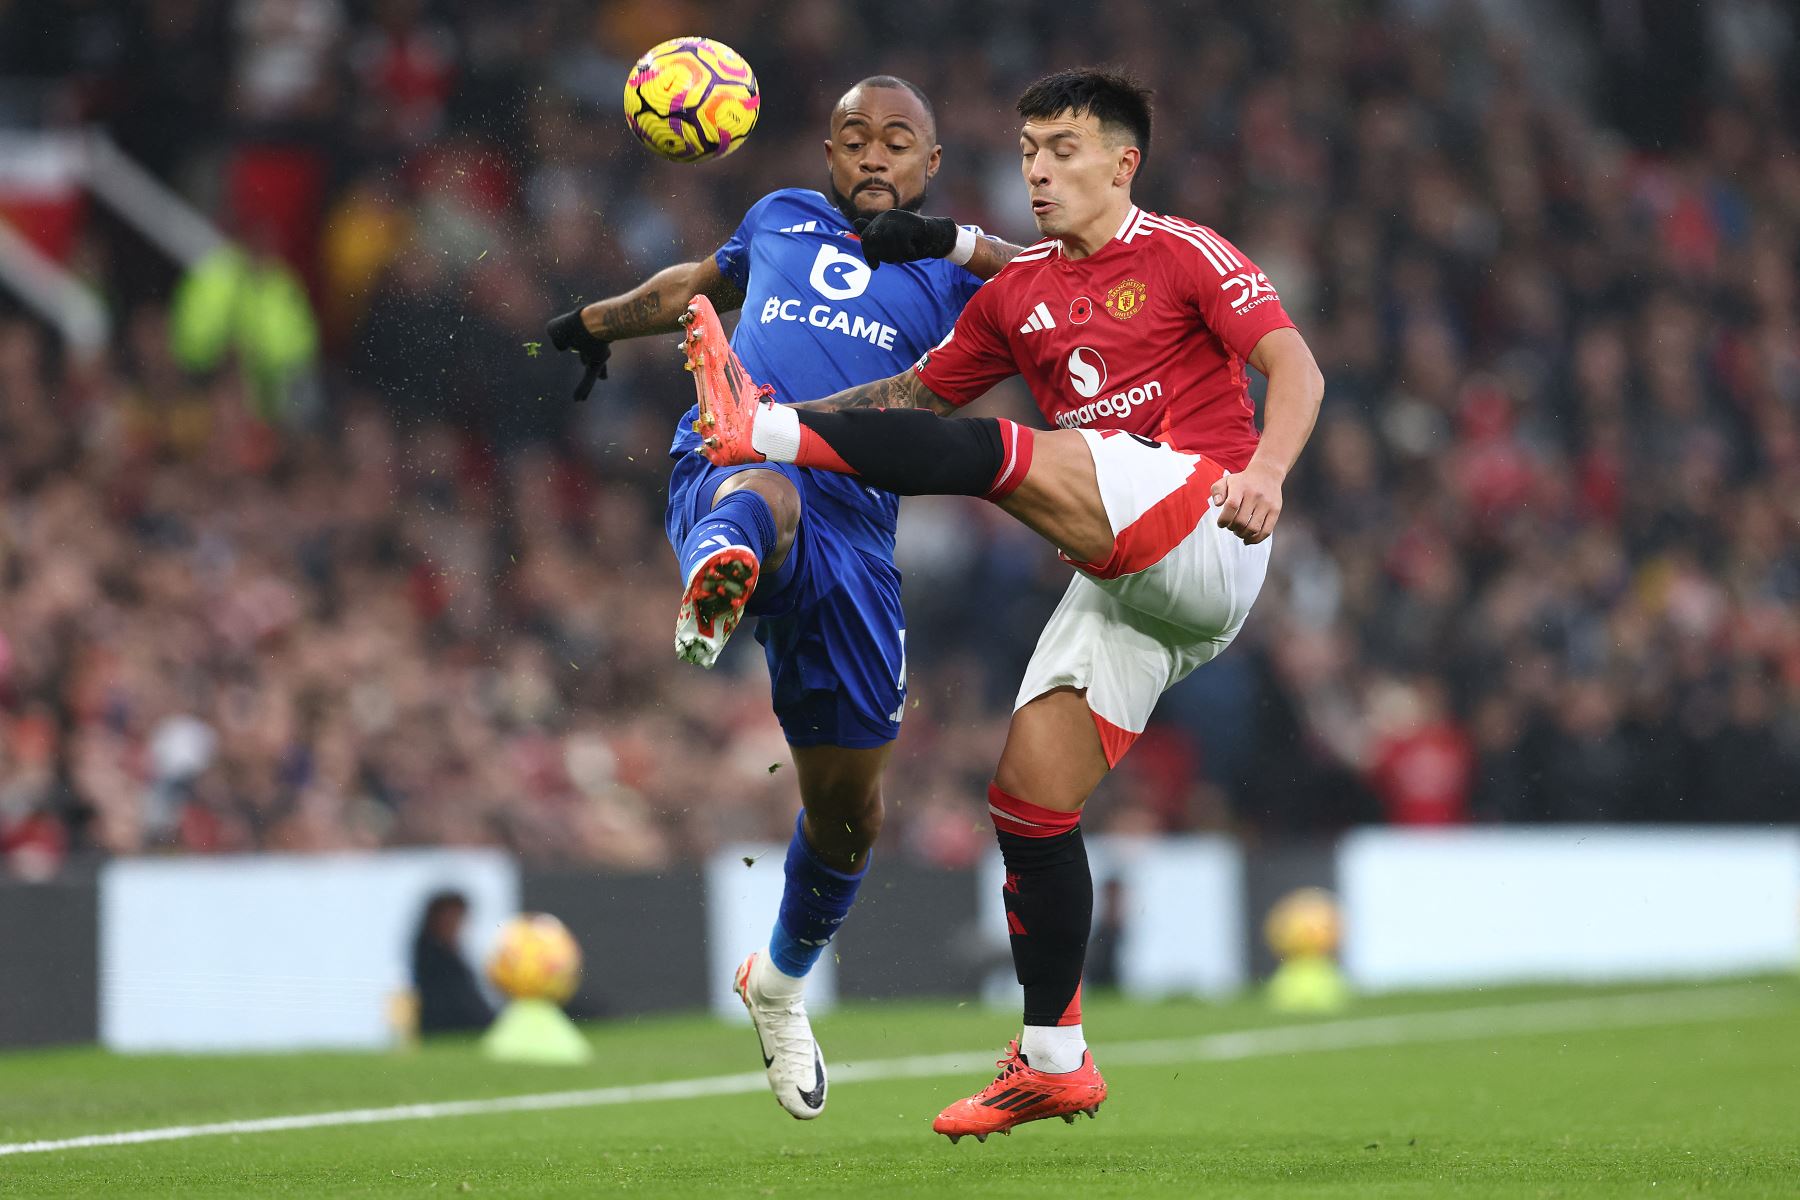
x=1016 y=443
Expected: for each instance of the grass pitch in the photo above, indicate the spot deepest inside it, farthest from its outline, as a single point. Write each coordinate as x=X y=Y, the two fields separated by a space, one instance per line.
x=1534 y=1093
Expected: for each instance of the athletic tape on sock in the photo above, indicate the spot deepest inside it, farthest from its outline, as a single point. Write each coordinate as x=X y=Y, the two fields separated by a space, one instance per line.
x=775 y=433
x=1055 y=1049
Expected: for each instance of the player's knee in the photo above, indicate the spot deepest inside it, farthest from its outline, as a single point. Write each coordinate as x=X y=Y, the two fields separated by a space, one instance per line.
x=1044 y=787
x=862 y=814
x=783 y=499
x=864 y=823
x=1053 y=755
x=843 y=824
x=787 y=518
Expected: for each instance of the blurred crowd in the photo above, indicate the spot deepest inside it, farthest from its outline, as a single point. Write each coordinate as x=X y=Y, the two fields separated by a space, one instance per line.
x=1540 y=563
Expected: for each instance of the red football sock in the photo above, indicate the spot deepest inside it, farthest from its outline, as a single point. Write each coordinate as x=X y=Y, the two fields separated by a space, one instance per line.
x=1016 y=443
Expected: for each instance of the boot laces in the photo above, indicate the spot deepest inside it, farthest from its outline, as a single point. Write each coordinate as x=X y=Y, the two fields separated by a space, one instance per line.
x=792 y=1034
x=1011 y=1064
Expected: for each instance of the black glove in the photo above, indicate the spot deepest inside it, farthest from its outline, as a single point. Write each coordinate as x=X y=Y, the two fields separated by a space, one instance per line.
x=568 y=333
x=899 y=236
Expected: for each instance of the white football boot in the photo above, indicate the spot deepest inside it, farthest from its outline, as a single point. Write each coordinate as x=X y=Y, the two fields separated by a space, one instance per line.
x=790 y=1054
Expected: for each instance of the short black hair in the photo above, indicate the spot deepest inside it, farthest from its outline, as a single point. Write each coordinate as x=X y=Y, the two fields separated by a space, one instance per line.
x=894 y=81
x=1112 y=98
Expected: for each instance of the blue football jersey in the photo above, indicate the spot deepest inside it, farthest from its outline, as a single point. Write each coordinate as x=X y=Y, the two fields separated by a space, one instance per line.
x=816 y=318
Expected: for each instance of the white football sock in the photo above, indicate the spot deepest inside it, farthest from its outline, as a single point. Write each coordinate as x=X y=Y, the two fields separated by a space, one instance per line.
x=775 y=434
x=772 y=982
x=1053 y=1048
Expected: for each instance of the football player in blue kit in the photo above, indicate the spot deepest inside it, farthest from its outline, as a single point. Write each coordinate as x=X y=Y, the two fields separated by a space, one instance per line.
x=811 y=554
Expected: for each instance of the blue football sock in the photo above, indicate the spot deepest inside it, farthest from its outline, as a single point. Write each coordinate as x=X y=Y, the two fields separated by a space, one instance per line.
x=815 y=903
x=740 y=519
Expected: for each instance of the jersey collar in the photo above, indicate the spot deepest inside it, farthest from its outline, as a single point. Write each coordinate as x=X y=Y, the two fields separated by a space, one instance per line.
x=1131 y=217
x=1125 y=227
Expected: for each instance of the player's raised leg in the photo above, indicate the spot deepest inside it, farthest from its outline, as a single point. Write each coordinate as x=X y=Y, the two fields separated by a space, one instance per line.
x=753 y=518
x=827 y=860
x=1052 y=762
x=748 y=532
x=1046 y=480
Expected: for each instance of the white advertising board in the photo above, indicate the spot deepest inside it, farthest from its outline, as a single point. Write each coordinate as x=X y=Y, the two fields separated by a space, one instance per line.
x=277 y=952
x=744 y=882
x=1581 y=903
x=1181 y=902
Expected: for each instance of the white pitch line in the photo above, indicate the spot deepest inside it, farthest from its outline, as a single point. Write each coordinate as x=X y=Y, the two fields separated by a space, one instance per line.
x=1497 y=1020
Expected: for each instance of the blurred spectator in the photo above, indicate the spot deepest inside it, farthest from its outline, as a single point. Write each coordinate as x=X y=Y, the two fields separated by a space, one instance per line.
x=449 y=1000
x=1107 y=939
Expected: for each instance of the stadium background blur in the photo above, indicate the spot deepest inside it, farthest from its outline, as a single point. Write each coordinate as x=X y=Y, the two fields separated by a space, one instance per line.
x=1539 y=563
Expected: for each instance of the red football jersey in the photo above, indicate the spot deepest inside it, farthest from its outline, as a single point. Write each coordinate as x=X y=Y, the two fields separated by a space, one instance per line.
x=1148 y=334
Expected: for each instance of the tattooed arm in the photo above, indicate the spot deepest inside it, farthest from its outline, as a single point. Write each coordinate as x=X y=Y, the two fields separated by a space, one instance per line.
x=990 y=255
x=654 y=305
x=905 y=390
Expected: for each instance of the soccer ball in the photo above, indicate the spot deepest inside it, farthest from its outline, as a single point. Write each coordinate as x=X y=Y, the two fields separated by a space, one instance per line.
x=690 y=99
x=536 y=959
x=1303 y=924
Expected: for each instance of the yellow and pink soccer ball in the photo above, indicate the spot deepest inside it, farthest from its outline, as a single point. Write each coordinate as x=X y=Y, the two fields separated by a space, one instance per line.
x=691 y=99
x=1305 y=923
x=536 y=958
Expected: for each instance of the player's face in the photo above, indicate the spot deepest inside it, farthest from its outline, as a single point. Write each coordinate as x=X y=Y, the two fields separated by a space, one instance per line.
x=1075 y=173
x=881 y=153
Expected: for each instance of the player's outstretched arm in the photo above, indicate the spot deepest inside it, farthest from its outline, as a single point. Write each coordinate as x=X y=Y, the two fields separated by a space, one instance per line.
x=905 y=390
x=1250 y=501
x=653 y=306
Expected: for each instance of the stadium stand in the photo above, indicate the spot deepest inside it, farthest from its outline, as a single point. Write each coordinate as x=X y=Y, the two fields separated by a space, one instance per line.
x=1539 y=564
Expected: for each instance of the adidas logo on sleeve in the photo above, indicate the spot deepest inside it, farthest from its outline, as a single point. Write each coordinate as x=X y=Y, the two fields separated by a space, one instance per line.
x=1039 y=321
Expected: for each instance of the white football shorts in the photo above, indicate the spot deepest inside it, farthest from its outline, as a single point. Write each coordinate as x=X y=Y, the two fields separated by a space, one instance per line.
x=1172 y=595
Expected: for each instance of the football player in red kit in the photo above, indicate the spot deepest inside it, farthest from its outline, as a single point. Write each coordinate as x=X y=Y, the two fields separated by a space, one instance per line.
x=1132 y=331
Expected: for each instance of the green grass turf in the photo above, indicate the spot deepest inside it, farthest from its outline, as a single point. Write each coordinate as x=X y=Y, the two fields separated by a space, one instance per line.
x=1703 y=1107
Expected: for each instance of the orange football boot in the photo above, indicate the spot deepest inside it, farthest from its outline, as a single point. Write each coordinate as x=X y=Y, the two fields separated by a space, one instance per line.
x=1021 y=1093
x=728 y=396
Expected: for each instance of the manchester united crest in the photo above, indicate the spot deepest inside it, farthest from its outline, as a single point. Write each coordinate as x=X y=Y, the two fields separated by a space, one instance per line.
x=1124 y=300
